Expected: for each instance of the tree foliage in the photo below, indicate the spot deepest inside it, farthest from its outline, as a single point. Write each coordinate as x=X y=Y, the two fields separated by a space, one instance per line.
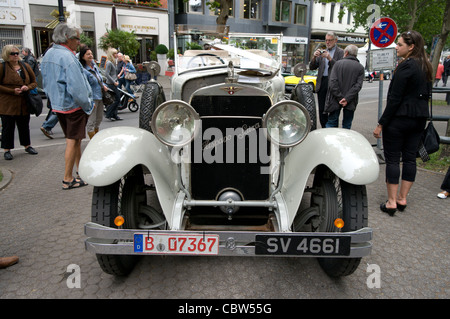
x=125 y=42
x=424 y=16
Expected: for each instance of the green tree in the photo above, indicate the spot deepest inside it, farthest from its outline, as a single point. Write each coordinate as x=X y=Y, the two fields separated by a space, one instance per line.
x=124 y=41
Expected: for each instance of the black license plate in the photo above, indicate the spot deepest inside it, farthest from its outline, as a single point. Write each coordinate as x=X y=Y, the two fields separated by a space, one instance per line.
x=302 y=245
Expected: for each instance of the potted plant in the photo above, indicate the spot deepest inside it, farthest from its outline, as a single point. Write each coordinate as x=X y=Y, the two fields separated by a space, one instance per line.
x=161 y=53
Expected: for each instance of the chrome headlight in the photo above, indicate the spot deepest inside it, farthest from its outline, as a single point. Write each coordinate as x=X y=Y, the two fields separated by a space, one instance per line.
x=287 y=123
x=175 y=123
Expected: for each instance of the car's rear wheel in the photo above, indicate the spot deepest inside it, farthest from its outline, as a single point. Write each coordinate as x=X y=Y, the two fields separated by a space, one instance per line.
x=336 y=198
x=128 y=198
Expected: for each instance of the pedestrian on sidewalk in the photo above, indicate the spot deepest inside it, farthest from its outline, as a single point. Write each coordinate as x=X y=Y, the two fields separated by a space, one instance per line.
x=95 y=80
x=50 y=121
x=17 y=78
x=71 y=96
x=112 y=83
x=446 y=73
x=324 y=61
x=403 y=120
x=345 y=82
x=439 y=72
x=445 y=186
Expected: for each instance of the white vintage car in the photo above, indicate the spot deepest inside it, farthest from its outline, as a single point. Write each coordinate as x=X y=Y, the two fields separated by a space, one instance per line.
x=228 y=166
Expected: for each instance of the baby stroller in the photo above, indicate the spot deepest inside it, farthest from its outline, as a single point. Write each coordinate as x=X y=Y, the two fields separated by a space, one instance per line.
x=126 y=100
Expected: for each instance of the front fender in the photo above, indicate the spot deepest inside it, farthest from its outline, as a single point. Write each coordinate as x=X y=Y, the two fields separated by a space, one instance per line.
x=346 y=153
x=113 y=152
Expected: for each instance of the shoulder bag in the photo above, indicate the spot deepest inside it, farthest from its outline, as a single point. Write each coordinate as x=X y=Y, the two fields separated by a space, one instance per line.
x=130 y=76
x=429 y=143
x=33 y=98
x=34 y=102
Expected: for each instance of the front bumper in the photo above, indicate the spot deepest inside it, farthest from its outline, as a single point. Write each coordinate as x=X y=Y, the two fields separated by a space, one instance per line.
x=111 y=241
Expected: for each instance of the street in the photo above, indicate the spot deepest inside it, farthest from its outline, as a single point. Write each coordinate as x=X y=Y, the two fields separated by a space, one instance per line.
x=43 y=225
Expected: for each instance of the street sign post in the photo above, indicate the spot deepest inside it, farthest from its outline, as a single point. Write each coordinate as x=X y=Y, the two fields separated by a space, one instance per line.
x=383 y=32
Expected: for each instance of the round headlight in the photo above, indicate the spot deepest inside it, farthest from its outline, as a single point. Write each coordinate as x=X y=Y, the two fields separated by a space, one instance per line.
x=287 y=123
x=175 y=123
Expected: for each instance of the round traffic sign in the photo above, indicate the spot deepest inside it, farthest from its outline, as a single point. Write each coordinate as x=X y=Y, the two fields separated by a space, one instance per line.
x=383 y=32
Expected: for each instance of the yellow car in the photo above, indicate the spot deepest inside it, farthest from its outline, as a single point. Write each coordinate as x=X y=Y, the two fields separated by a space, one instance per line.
x=291 y=81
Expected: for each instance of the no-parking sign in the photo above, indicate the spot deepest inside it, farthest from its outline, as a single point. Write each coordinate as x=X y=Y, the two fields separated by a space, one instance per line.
x=383 y=32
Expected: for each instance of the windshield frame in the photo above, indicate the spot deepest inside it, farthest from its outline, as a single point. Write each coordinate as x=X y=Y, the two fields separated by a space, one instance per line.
x=216 y=37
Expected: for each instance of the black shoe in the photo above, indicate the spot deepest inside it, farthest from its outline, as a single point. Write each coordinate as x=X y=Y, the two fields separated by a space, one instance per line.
x=31 y=150
x=8 y=156
x=118 y=118
x=390 y=211
x=401 y=207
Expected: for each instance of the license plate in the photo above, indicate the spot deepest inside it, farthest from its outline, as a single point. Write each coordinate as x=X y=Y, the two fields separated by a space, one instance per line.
x=302 y=245
x=185 y=244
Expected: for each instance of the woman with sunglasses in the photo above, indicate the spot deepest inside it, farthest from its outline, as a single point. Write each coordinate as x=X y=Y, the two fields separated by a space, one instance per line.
x=403 y=120
x=16 y=78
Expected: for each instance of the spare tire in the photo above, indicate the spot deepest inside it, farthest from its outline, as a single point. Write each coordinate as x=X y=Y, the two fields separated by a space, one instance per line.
x=303 y=93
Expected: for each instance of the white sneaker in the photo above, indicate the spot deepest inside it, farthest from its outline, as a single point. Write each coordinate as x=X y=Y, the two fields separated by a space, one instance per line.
x=443 y=194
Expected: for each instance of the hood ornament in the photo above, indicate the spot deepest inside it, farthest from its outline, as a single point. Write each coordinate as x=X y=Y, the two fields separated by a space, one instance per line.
x=232 y=76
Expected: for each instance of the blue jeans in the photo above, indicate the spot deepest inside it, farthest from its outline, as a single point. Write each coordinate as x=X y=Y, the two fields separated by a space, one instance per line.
x=50 y=121
x=128 y=88
x=333 y=118
x=112 y=109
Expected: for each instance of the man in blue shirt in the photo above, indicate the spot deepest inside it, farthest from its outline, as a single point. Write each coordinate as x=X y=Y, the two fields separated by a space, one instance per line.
x=67 y=87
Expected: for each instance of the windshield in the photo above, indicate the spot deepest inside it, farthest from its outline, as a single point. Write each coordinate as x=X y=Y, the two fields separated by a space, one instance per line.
x=252 y=55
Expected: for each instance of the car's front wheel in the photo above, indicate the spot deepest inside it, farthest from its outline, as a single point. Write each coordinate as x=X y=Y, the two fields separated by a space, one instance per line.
x=336 y=198
x=128 y=198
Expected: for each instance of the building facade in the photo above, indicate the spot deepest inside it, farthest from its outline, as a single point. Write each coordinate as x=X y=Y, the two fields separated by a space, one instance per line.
x=303 y=23
x=292 y=18
x=30 y=23
x=325 y=17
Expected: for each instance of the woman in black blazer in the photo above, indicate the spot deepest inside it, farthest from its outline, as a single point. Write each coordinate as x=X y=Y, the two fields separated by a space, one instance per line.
x=404 y=118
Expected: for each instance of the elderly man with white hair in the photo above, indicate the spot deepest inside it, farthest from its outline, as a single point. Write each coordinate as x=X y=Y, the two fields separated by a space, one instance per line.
x=344 y=84
x=70 y=93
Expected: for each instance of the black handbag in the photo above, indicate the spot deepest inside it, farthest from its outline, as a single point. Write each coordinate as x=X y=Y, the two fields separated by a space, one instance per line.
x=34 y=102
x=429 y=143
x=108 y=97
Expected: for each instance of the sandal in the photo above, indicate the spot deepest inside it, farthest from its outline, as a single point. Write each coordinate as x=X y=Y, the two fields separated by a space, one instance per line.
x=443 y=194
x=79 y=180
x=73 y=184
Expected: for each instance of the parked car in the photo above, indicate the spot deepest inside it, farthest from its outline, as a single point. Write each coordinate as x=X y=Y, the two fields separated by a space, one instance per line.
x=228 y=167
x=291 y=81
x=376 y=74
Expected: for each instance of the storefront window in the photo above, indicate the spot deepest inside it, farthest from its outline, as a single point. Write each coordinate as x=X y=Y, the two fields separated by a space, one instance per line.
x=216 y=11
x=300 y=14
x=195 y=6
x=10 y=36
x=293 y=54
x=282 y=11
x=252 y=9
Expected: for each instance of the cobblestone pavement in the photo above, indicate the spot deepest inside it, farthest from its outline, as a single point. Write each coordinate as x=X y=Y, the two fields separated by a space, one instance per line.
x=43 y=225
